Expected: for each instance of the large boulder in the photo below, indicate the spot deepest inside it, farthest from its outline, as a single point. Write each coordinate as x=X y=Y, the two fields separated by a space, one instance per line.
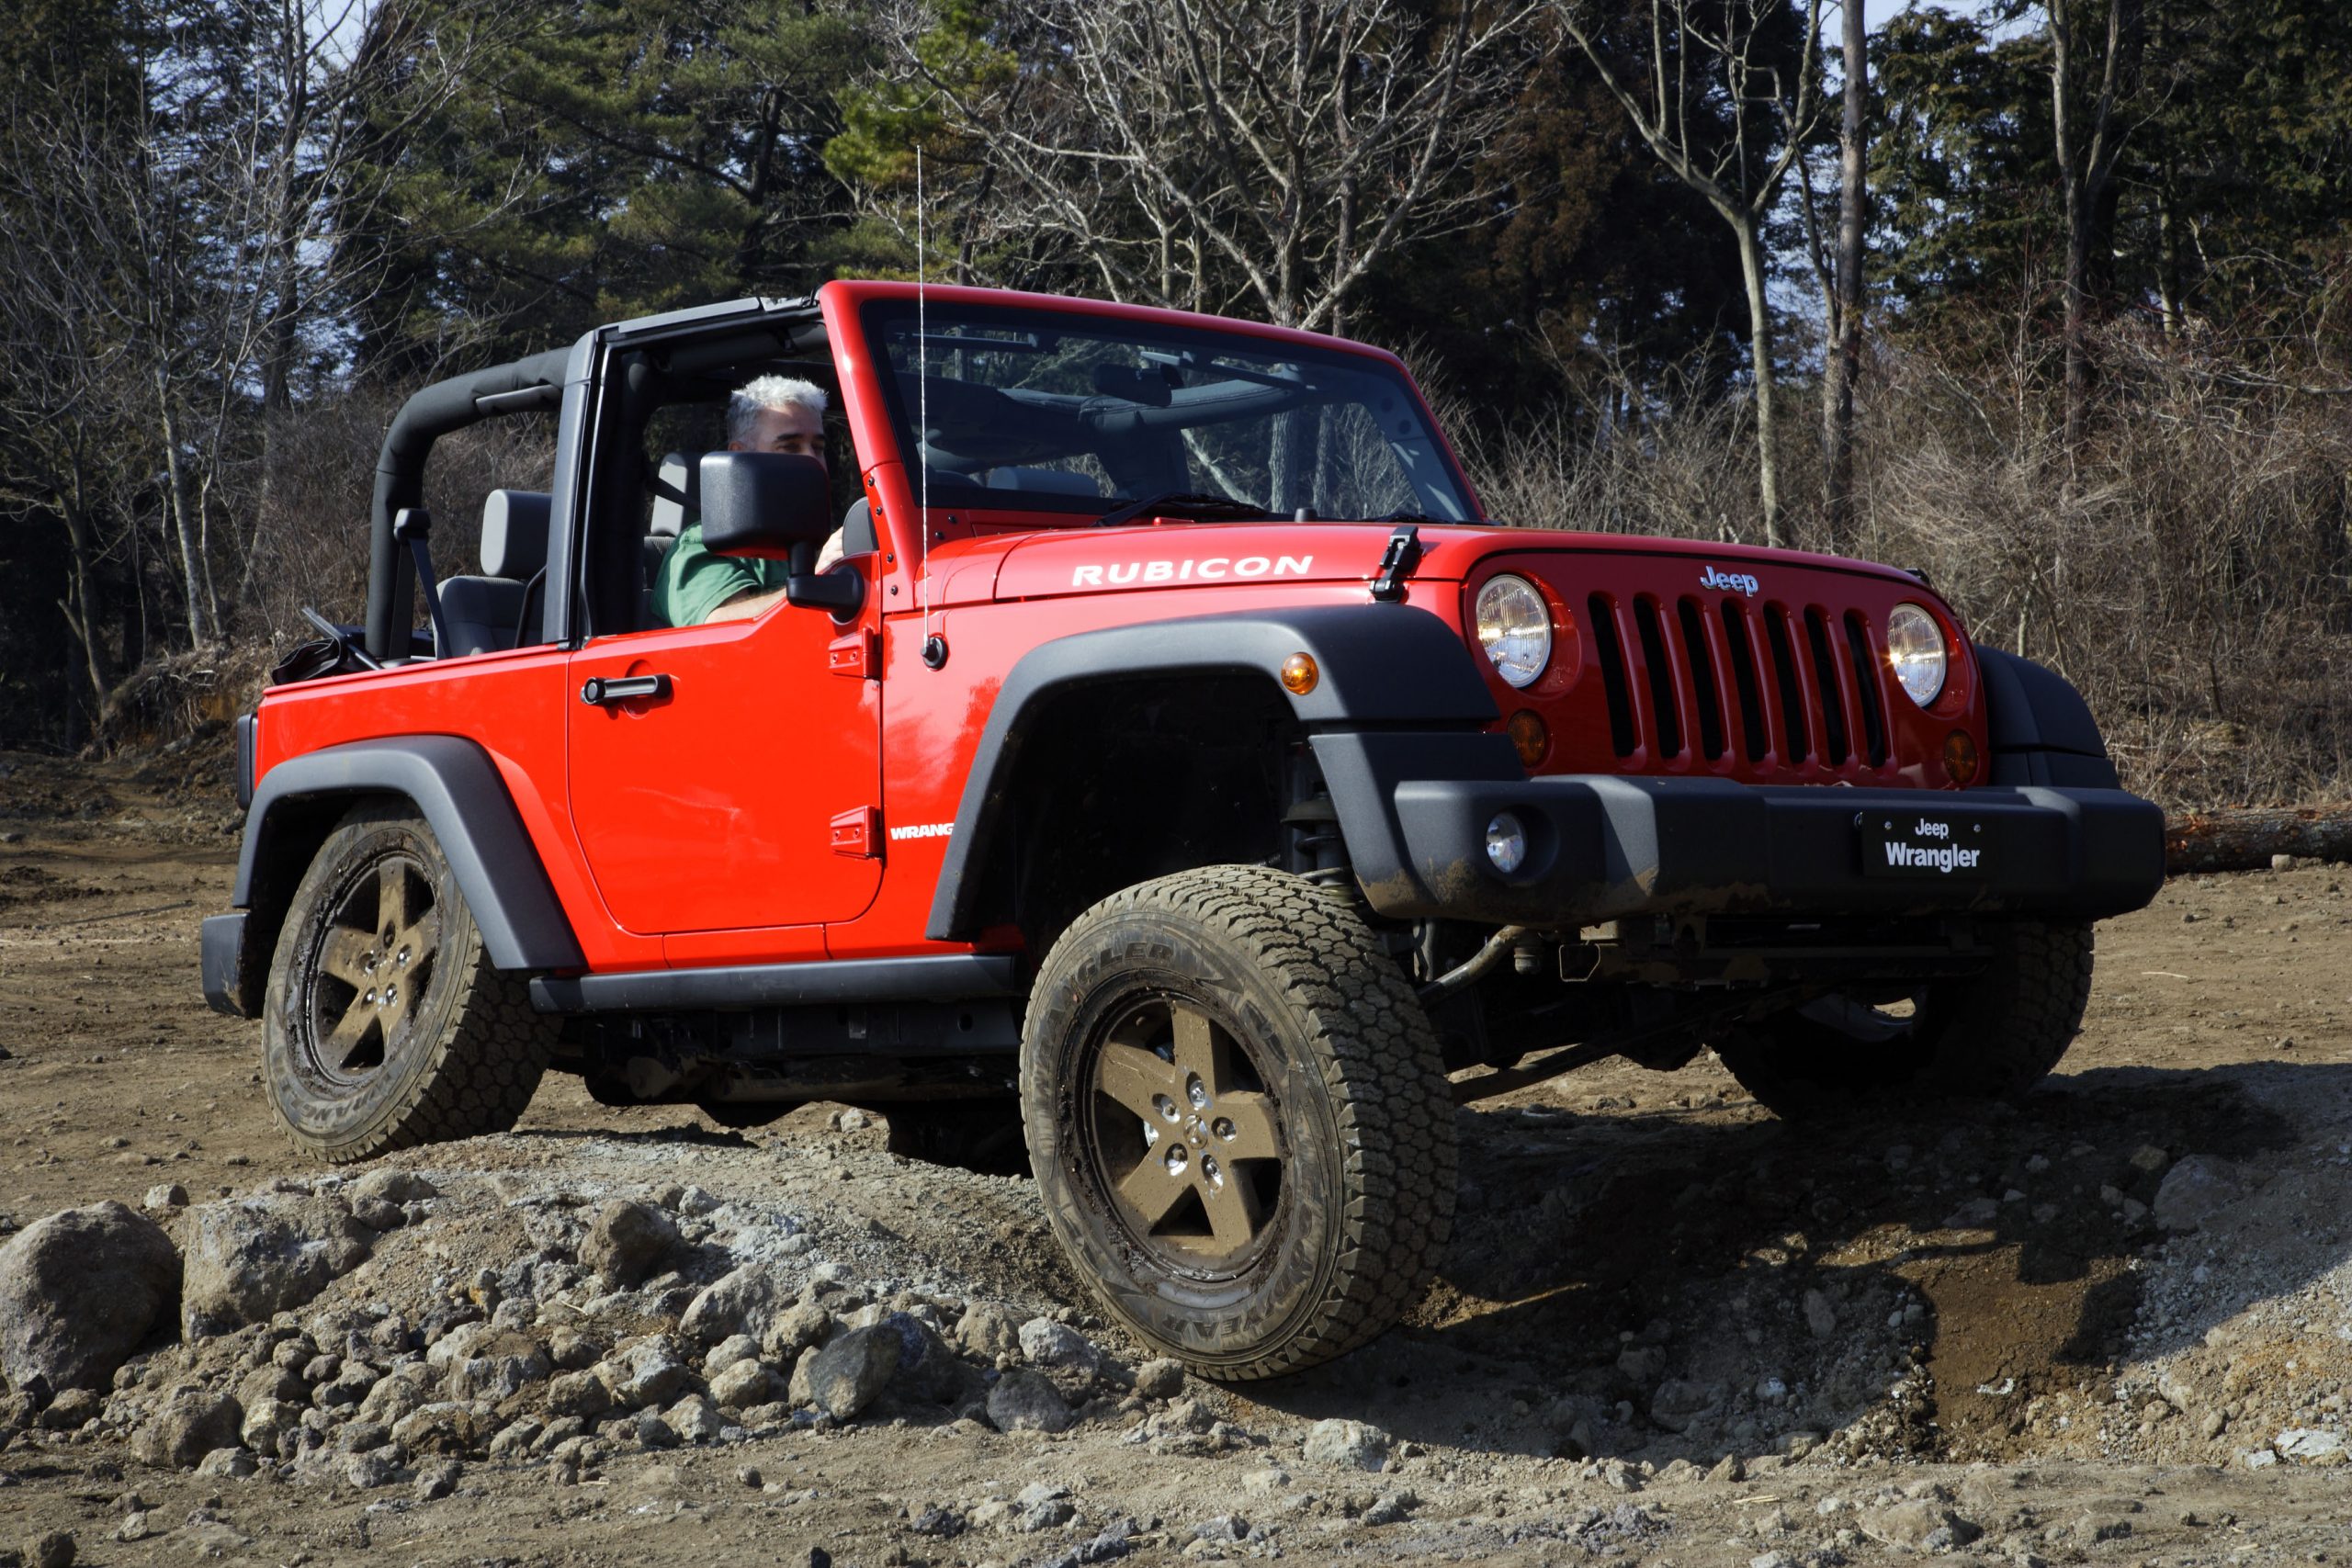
x=2196 y=1189
x=848 y=1374
x=743 y=1301
x=249 y=1259
x=79 y=1291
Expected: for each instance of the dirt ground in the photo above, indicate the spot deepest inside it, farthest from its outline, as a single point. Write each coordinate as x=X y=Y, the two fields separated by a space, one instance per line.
x=1979 y=1314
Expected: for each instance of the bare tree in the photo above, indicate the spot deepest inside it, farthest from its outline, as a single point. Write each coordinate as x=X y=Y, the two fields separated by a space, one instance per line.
x=1844 y=357
x=2085 y=164
x=1202 y=153
x=1728 y=118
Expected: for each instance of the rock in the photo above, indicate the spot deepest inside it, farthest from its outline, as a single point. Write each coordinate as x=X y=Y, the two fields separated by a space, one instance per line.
x=208 y=1539
x=2149 y=1159
x=272 y=1382
x=358 y=1437
x=165 y=1195
x=795 y=1329
x=1041 y=1505
x=1727 y=1470
x=1350 y=1444
x=2309 y=1445
x=1224 y=1529
x=1162 y=1379
x=53 y=1550
x=404 y=1389
x=378 y=1215
x=437 y=1480
x=693 y=1420
x=135 y=1526
x=2194 y=1191
x=742 y=1385
x=1820 y=1317
x=985 y=1331
x=190 y=1423
x=1023 y=1401
x=79 y=1291
x=1679 y=1404
x=733 y=1348
x=1921 y=1525
x=370 y=1469
x=1975 y=1215
x=1068 y=1356
x=848 y=1373
x=444 y=1428
x=384 y=1185
x=228 y=1464
x=248 y=1258
x=72 y=1409
x=654 y=1433
x=1389 y=1508
x=626 y=1240
x=648 y=1374
x=927 y=1372
x=743 y=1302
x=1640 y=1363
x=578 y=1393
x=267 y=1423
x=499 y=1368
x=2260 y=1458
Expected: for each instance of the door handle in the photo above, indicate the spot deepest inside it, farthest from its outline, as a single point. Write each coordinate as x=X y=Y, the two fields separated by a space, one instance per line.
x=598 y=691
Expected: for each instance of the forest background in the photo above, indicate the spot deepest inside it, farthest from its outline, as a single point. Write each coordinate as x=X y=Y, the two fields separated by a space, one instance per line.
x=2051 y=302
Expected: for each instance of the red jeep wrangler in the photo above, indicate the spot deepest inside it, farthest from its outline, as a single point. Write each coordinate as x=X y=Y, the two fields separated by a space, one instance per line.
x=1176 y=754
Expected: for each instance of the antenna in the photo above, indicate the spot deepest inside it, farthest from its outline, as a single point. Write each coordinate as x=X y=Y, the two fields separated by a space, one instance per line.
x=934 y=646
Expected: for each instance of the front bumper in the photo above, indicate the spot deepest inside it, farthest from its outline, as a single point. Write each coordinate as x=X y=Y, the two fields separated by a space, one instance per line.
x=1603 y=848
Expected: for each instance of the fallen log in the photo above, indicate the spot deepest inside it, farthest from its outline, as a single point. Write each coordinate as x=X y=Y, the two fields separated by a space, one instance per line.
x=2248 y=840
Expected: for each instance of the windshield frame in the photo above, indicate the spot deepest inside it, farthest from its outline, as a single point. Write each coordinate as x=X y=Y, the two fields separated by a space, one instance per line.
x=883 y=311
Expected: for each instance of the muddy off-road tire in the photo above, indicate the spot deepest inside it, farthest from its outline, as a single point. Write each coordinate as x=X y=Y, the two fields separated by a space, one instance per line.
x=1238 y=1119
x=1989 y=1036
x=386 y=1026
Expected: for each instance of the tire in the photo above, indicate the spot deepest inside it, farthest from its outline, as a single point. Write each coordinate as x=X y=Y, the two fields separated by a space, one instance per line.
x=456 y=1050
x=1992 y=1035
x=1184 y=1020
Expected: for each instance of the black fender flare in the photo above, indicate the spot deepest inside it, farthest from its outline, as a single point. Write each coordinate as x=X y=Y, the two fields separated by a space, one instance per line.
x=457 y=789
x=2042 y=729
x=1380 y=666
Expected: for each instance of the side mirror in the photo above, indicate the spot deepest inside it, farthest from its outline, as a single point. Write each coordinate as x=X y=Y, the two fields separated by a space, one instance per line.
x=764 y=503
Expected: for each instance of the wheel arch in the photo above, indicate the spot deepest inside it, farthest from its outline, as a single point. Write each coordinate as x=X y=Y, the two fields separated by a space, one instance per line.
x=2042 y=729
x=1378 y=665
x=454 y=786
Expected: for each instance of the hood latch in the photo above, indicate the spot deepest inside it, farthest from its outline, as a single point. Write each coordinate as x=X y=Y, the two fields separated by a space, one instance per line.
x=1396 y=564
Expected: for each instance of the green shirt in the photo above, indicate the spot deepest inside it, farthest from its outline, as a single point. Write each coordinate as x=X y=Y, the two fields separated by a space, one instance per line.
x=692 y=581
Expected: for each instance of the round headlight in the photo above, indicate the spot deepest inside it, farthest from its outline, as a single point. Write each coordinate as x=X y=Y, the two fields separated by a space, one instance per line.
x=1515 y=629
x=1914 y=646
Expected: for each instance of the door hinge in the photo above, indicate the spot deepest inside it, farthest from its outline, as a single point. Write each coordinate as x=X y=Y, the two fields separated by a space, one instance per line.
x=857 y=654
x=858 y=832
x=1396 y=564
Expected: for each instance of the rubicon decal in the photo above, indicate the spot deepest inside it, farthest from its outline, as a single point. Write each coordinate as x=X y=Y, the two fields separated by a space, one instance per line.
x=1730 y=581
x=1210 y=568
x=922 y=831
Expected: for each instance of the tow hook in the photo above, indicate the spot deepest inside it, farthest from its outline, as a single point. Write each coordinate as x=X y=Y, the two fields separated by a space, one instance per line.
x=1396 y=564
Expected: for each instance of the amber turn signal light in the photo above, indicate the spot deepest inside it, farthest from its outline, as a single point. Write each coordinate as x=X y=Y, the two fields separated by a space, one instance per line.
x=1299 y=674
x=1959 y=758
x=1528 y=736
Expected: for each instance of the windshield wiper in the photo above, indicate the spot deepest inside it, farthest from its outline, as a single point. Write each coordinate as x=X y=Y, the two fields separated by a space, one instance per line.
x=1189 y=501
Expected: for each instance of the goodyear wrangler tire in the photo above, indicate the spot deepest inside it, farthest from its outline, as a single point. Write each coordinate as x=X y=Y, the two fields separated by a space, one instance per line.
x=1989 y=1036
x=386 y=1025
x=1238 y=1119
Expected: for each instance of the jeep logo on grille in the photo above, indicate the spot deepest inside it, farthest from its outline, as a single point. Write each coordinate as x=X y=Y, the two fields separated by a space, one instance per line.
x=1729 y=581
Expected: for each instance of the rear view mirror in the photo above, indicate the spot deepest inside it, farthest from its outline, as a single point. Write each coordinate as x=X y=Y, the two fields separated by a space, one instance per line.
x=764 y=503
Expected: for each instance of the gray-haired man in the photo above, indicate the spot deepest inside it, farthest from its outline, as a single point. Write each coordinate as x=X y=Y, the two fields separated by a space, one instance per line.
x=774 y=413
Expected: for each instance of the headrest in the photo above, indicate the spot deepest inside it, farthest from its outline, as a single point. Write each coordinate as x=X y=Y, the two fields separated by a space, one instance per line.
x=680 y=475
x=1043 y=481
x=514 y=534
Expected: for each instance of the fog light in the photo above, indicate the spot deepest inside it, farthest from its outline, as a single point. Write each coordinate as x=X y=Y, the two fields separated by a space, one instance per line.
x=1506 y=844
x=1530 y=738
x=1959 y=758
x=1299 y=674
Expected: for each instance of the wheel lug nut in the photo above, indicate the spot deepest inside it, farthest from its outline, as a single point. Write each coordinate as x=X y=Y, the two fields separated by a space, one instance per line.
x=1164 y=1106
x=1178 y=1158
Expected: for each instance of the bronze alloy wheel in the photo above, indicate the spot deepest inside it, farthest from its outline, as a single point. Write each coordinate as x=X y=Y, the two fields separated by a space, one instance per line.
x=1186 y=1136
x=371 y=963
x=387 y=1024
x=1238 y=1119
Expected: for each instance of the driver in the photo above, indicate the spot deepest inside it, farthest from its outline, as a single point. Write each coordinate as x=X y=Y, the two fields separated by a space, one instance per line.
x=773 y=414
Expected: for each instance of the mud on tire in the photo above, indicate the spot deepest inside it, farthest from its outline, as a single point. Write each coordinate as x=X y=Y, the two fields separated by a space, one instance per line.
x=1991 y=1036
x=1238 y=1119
x=386 y=1025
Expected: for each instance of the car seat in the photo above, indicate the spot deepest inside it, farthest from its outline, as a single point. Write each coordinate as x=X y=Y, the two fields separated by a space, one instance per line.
x=485 y=614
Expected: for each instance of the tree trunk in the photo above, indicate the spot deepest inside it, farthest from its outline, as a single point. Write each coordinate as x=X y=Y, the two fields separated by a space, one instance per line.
x=1760 y=349
x=2245 y=840
x=1844 y=367
x=200 y=626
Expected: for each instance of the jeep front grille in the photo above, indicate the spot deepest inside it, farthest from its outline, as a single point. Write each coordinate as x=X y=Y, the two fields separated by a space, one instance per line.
x=1791 y=687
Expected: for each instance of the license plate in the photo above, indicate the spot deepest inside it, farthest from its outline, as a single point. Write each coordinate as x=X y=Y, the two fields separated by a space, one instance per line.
x=1926 y=845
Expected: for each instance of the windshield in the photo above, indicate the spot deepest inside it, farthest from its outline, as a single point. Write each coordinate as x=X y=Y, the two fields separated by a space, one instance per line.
x=1047 y=412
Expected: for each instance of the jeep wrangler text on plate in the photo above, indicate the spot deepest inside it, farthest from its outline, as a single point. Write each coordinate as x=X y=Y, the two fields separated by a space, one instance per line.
x=1175 y=756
